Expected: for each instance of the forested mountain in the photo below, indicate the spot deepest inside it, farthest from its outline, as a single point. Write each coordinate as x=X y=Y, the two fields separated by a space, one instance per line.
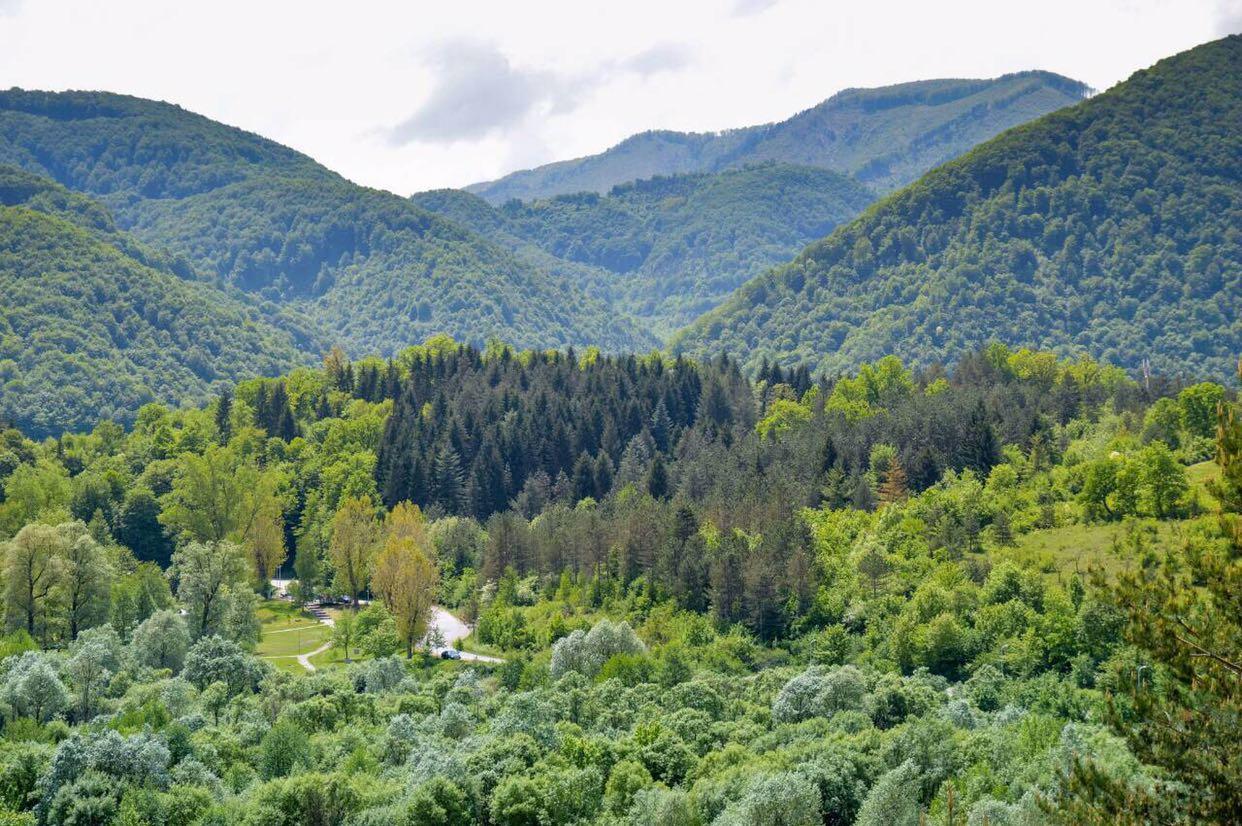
x=1110 y=227
x=375 y=271
x=858 y=601
x=668 y=249
x=95 y=324
x=885 y=137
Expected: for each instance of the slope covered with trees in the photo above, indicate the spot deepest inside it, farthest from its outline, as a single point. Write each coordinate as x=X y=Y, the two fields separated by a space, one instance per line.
x=668 y=249
x=1110 y=227
x=884 y=137
x=805 y=602
x=95 y=324
x=376 y=272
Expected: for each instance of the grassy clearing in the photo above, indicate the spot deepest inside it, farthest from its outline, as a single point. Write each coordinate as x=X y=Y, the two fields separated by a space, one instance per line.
x=1199 y=475
x=335 y=658
x=292 y=641
x=276 y=614
x=287 y=632
x=1061 y=552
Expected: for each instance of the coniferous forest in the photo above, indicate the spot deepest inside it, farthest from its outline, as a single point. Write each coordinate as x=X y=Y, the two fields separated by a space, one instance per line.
x=322 y=505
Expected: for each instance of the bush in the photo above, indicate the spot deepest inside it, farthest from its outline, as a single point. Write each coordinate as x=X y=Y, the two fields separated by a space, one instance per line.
x=820 y=692
x=587 y=652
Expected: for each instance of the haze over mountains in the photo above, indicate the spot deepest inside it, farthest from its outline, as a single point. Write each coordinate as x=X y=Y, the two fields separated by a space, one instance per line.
x=884 y=137
x=1111 y=228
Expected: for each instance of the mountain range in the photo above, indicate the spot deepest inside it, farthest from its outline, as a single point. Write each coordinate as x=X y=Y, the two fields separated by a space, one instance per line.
x=96 y=324
x=1109 y=228
x=369 y=268
x=148 y=253
x=884 y=137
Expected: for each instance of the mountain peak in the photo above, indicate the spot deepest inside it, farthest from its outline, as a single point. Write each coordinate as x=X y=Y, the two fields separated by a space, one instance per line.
x=886 y=136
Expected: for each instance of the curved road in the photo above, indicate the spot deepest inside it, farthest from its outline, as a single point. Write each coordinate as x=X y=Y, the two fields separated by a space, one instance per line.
x=453 y=629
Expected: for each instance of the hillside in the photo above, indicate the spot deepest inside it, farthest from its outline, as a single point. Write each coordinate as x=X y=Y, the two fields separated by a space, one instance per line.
x=96 y=325
x=705 y=600
x=885 y=137
x=1110 y=227
x=668 y=249
x=374 y=270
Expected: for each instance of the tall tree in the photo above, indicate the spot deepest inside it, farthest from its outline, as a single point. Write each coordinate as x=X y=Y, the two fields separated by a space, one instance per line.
x=223 y=415
x=86 y=579
x=217 y=496
x=32 y=569
x=355 y=536
x=405 y=577
x=207 y=574
x=265 y=543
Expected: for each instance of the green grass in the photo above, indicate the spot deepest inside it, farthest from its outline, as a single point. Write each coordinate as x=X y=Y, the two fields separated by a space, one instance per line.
x=1199 y=475
x=287 y=632
x=289 y=665
x=1060 y=552
x=290 y=642
x=277 y=614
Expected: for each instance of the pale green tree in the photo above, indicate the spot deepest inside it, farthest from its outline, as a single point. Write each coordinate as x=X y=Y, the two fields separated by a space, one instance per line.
x=893 y=800
x=207 y=576
x=86 y=579
x=32 y=570
x=218 y=496
x=161 y=641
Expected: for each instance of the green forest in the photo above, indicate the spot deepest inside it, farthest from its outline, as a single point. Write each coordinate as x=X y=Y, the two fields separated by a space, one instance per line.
x=947 y=596
x=1108 y=228
x=877 y=466
x=668 y=249
x=95 y=324
x=370 y=269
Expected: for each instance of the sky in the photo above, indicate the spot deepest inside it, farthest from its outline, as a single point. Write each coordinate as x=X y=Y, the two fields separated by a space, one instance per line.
x=408 y=96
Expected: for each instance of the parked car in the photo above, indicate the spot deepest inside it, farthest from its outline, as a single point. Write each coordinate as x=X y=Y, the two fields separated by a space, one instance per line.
x=450 y=654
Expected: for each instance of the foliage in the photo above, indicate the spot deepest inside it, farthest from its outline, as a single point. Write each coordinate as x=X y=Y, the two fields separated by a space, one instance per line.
x=667 y=249
x=1106 y=227
x=95 y=326
x=771 y=635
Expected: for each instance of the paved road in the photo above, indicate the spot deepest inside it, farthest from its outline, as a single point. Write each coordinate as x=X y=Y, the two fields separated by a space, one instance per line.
x=453 y=629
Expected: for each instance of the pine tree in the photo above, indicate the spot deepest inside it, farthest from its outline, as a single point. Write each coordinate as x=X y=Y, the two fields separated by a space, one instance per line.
x=584 y=478
x=449 y=485
x=657 y=479
x=224 y=411
x=894 y=488
x=661 y=426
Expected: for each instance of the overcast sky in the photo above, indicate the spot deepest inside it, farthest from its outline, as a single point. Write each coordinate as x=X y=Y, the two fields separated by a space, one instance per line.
x=417 y=95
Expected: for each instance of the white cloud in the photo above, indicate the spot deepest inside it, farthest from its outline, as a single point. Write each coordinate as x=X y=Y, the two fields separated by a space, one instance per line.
x=745 y=8
x=477 y=92
x=1229 y=17
x=664 y=57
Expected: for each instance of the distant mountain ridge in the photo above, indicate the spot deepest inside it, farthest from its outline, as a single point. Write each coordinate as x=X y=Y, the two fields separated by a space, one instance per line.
x=885 y=137
x=667 y=249
x=1110 y=228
